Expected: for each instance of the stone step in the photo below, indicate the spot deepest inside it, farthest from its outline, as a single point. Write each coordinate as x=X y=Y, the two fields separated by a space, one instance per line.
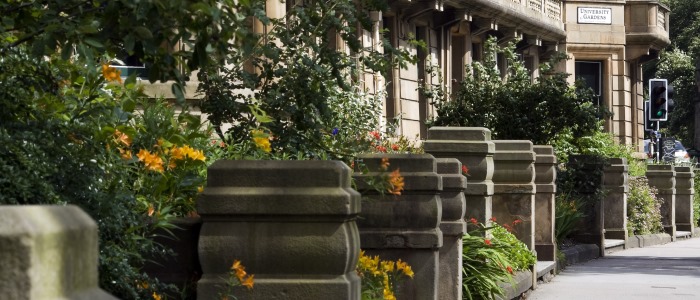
x=683 y=234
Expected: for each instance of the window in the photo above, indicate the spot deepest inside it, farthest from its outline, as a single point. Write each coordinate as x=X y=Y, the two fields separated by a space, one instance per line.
x=591 y=73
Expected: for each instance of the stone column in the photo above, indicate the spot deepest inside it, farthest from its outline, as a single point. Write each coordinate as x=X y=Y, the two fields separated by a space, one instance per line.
x=545 y=178
x=405 y=226
x=616 y=185
x=514 y=187
x=589 y=179
x=48 y=252
x=473 y=147
x=663 y=178
x=685 y=190
x=453 y=228
x=290 y=223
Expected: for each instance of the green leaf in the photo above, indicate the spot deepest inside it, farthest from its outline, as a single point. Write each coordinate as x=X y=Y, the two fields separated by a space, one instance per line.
x=93 y=42
x=143 y=33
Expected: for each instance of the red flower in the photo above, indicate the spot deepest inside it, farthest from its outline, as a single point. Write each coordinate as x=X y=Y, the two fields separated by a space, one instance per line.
x=473 y=221
x=395 y=147
x=375 y=134
x=507 y=227
x=493 y=219
x=517 y=221
x=381 y=148
x=509 y=269
x=487 y=242
x=465 y=170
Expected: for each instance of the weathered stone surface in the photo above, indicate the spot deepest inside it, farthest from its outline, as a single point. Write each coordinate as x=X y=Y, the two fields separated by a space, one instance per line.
x=663 y=178
x=514 y=187
x=545 y=176
x=48 y=252
x=616 y=185
x=473 y=147
x=685 y=191
x=405 y=226
x=291 y=223
x=453 y=228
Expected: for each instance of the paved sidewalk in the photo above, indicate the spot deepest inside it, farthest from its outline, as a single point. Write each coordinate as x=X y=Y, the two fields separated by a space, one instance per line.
x=670 y=271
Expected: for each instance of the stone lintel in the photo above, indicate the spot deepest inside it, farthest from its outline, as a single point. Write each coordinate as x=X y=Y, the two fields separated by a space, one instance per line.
x=543 y=150
x=514 y=188
x=513 y=145
x=541 y=159
x=514 y=156
x=546 y=188
x=305 y=202
x=459 y=134
x=459 y=148
x=479 y=188
x=453 y=228
x=256 y=173
x=430 y=238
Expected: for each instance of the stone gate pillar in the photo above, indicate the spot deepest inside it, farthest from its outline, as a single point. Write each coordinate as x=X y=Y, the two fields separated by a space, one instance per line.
x=514 y=187
x=473 y=147
x=589 y=177
x=453 y=227
x=616 y=187
x=663 y=178
x=545 y=178
x=48 y=252
x=290 y=223
x=685 y=191
x=405 y=226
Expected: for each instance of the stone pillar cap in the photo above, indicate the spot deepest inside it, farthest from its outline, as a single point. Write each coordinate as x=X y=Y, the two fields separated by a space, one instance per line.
x=543 y=149
x=513 y=145
x=683 y=169
x=459 y=133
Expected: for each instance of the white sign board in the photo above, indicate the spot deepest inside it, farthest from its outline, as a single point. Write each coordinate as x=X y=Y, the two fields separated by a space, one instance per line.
x=594 y=15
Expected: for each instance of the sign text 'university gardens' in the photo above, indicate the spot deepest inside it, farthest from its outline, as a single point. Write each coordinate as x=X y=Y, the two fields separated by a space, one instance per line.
x=594 y=15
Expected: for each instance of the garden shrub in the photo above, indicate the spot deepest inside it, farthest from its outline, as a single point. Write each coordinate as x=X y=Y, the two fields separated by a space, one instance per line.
x=490 y=256
x=71 y=134
x=511 y=105
x=643 y=208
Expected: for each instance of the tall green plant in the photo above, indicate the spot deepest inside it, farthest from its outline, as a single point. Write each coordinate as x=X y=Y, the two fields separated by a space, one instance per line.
x=568 y=215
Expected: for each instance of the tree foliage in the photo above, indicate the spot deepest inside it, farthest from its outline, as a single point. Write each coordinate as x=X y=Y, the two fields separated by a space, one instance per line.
x=515 y=107
x=677 y=66
x=302 y=75
x=175 y=37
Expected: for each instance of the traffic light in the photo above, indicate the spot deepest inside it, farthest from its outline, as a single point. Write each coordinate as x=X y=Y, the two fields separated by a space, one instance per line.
x=658 y=104
x=648 y=124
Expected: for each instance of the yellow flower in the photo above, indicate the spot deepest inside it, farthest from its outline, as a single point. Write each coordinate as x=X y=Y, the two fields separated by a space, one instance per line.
x=396 y=183
x=178 y=153
x=111 y=73
x=407 y=271
x=384 y=164
x=121 y=138
x=248 y=282
x=200 y=189
x=125 y=154
x=388 y=295
x=152 y=161
x=261 y=140
x=156 y=296
x=388 y=266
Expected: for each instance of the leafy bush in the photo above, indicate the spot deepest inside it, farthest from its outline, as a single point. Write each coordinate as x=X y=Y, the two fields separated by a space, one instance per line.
x=514 y=107
x=491 y=260
x=643 y=208
x=70 y=134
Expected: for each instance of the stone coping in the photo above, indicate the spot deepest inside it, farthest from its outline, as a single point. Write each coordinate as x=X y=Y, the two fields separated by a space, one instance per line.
x=522 y=282
x=640 y=241
x=544 y=267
